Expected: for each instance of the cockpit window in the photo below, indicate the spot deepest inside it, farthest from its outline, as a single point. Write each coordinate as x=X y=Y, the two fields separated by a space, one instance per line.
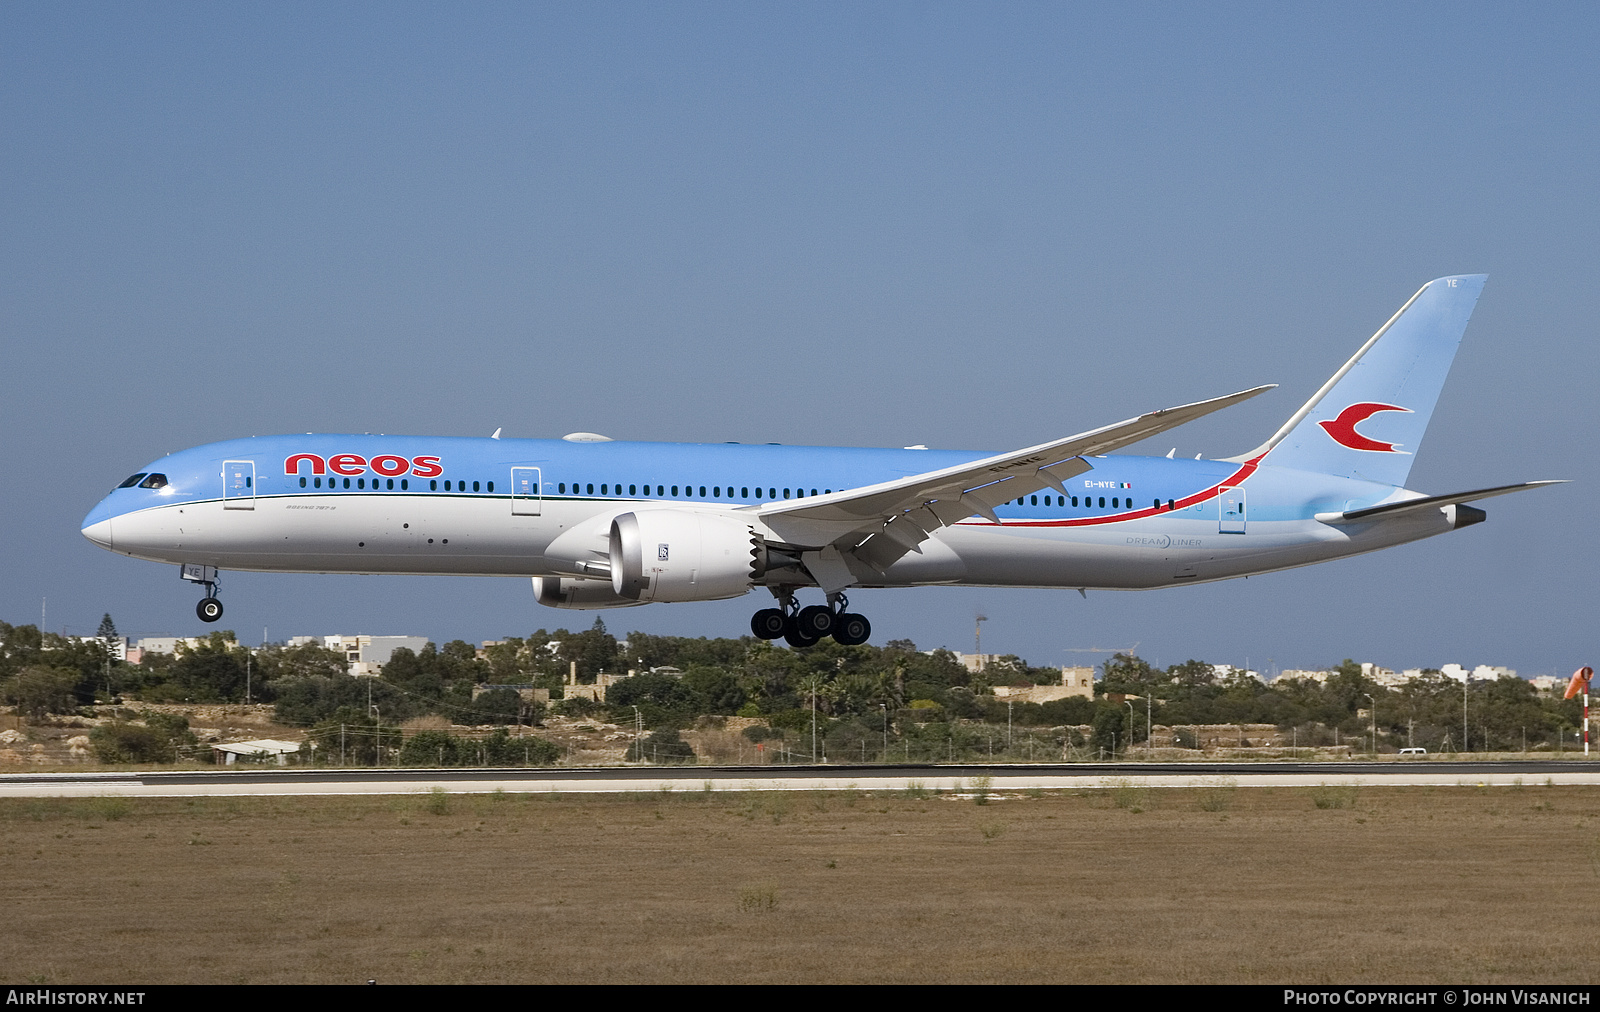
x=154 y=481
x=132 y=481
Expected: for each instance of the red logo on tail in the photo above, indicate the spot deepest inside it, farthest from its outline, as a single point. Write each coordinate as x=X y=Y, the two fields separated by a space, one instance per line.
x=1343 y=429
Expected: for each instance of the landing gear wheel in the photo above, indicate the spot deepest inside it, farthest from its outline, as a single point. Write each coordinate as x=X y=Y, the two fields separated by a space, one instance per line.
x=797 y=637
x=815 y=621
x=209 y=609
x=767 y=624
x=850 y=629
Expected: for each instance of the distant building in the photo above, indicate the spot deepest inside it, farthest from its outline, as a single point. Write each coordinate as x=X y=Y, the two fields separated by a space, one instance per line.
x=1481 y=673
x=166 y=644
x=571 y=689
x=525 y=690
x=974 y=662
x=366 y=655
x=1225 y=671
x=1311 y=676
x=1077 y=682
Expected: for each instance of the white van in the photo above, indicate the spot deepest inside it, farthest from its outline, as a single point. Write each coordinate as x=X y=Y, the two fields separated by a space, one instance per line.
x=1413 y=751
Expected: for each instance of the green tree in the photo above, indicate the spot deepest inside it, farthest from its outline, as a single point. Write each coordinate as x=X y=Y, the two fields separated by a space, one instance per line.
x=38 y=690
x=162 y=738
x=663 y=746
x=352 y=737
x=1109 y=730
x=497 y=706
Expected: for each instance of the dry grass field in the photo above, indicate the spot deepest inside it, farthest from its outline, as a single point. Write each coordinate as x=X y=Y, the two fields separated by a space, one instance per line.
x=1452 y=885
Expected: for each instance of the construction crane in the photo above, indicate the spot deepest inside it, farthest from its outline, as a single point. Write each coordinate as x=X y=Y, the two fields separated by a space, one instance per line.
x=1132 y=651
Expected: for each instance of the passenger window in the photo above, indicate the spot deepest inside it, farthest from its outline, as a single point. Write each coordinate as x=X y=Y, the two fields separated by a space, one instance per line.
x=591 y=490
x=1102 y=502
x=1170 y=504
x=661 y=490
x=474 y=486
x=302 y=483
x=786 y=493
x=1035 y=501
x=702 y=491
x=154 y=481
x=405 y=484
x=1156 y=505
x=631 y=490
x=1074 y=500
x=716 y=491
x=129 y=483
x=316 y=482
x=361 y=483
x=347 y=483
x=674 y=490
x=491 y=486
x=389 y=484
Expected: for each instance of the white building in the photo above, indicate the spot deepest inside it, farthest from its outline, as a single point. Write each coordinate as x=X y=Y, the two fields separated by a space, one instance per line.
x=1481 y=673
x=365 y=654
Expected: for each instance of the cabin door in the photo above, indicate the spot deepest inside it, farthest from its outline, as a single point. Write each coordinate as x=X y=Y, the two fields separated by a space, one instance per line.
x=1232 y=500
x=525 y=500
x=238 y=484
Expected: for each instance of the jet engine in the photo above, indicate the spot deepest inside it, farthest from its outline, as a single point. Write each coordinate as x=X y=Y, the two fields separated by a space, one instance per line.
x=583 y=595
x=683 y=555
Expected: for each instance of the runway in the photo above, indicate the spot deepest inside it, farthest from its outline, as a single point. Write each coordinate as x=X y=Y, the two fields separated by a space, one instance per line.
x=954 y=778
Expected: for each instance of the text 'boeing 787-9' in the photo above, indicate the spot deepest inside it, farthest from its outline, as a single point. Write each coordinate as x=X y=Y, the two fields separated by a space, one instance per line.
x=599 y=523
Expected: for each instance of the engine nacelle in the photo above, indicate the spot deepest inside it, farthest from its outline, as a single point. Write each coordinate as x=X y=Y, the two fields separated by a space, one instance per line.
x=683 y=555
x=583 y=595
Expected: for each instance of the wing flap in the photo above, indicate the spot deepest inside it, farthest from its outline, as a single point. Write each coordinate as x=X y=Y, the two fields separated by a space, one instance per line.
x=939 y=498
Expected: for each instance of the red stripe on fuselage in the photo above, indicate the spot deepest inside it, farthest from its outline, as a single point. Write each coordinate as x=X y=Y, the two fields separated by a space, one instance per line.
x=1245 y=470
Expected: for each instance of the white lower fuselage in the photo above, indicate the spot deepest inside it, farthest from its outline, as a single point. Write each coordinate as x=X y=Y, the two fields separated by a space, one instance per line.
x=471 y=535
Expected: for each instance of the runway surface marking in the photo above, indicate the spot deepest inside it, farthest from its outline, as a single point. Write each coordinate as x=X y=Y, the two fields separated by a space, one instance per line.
x=614 y=780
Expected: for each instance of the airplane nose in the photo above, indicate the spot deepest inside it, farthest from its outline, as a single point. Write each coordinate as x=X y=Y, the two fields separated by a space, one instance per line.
x=99 y=533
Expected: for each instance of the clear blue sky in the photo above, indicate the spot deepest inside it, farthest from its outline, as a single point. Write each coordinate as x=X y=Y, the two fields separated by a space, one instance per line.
x=965 y=225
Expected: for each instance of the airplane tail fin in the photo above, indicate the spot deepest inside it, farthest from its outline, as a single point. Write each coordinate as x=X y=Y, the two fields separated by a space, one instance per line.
x=1368 y=419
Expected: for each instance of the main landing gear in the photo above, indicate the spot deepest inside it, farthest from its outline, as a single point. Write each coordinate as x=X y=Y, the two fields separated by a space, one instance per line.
x=209 y=609
x=803 y=627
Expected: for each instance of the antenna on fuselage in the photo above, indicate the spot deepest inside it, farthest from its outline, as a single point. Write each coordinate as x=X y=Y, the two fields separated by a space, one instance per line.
x=496 y=434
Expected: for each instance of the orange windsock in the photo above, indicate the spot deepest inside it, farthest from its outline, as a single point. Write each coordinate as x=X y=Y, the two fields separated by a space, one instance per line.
x=1580 y=682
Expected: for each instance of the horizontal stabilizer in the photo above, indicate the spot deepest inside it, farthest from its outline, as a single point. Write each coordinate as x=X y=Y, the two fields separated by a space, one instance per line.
x=1394 y=509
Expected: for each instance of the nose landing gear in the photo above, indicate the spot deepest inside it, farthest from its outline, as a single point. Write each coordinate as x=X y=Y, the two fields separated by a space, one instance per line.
x=209 y=609
x=803 y=627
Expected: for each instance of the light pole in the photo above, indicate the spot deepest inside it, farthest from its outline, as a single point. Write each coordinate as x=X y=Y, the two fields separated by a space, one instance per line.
x=1374 y=716
x=885 y=708
x=1131 y=719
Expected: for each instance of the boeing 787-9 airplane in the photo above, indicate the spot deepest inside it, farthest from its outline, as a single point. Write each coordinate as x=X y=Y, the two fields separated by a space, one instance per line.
x=599 y=523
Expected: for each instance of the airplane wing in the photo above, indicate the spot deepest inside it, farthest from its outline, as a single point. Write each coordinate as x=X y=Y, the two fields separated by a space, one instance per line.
x=899 y=514
x=1393 y=509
